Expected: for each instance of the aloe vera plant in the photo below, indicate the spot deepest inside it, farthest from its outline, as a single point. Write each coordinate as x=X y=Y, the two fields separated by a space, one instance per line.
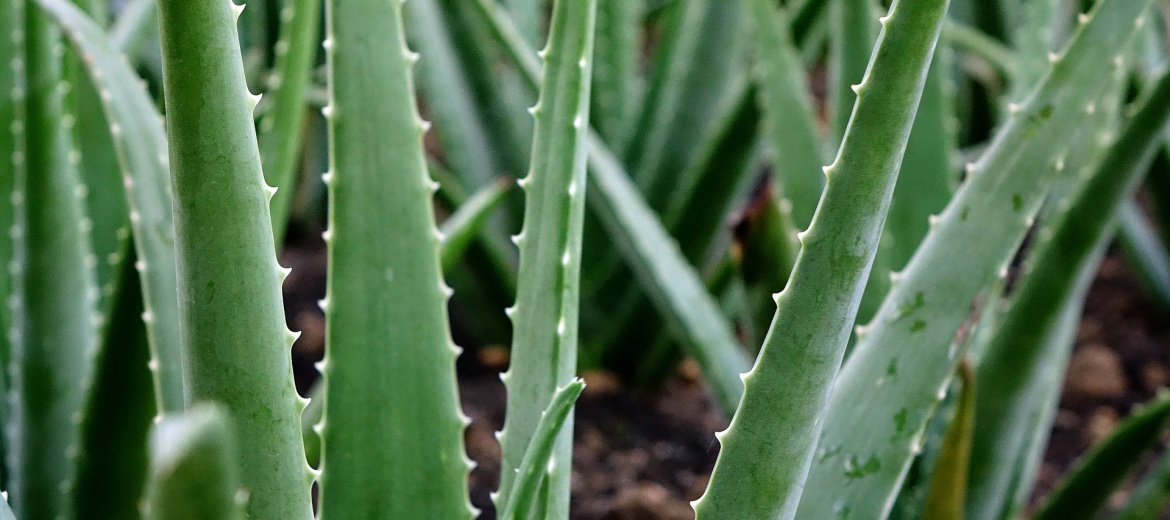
x=876 y=361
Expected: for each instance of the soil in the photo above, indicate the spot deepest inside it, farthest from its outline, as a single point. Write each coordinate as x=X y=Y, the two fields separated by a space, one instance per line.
x=644 y=454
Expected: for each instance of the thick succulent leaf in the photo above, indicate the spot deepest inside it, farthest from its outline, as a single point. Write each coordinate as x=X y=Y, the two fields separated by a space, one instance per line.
x=119 y=413
x=533 y=470
x=969 y=40
x=693 y=72
x=235 y=343
x=672 y=284
x=1088 y=486
x=852 y=30
x=1034 y=37
x=282 y=127
x=1146 y=252
x=463 y=129
x=55 y=331
x=1148 y=500
x=529 y=16
x=948 y=485
x=466 y=224
x=767 y=450
x=193 y=468
x=97 y=162
x=545 y=316
x=767 y=250
x=924 y=186
x=140 y=140
x=11 y=21
x=893 y=379
x=386 y=306
x=133 y=23
x=789 y=122
x=1066 y=252
x=616 y=57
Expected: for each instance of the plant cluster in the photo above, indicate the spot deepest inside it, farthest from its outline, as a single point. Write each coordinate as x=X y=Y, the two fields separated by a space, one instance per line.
x=886 y=324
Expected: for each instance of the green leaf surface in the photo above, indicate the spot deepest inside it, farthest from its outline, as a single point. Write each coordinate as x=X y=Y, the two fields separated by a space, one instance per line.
x=1068 y=250
x=1146 y=252
x=1148 y=500
x=282 y=127
x=141 y=145
x=467 y=223
x=133 y=24
x=11 y=111
x=1087 y=487
x=193 y=468
x=533 y=470
x=119 y=412
x=892 y=381
x=672 y=284
x=767 y=450
x=463 y=128
x=789 y=123
x=697 y=61
x=853 y=28
x=948 y=486
x=387 y=333
x=55 y=330
x=616 y=59
x=235 y=343
x=545 y=316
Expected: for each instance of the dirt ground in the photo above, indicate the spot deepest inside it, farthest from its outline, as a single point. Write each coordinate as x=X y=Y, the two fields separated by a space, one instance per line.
x=644 y=455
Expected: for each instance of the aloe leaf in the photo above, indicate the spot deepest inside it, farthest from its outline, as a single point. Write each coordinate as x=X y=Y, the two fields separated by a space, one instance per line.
x=119 y=412
x=767 y=450
x=193 y=466
x=11 y=117
x=1066 y=252
x=674 y=287
x=465 y=225
x=805 y=18
x=970 y=40
x=948 y=486
x=529 y=15
x=140 y=141
x=235 y=343
x=697 y=61
x=534 y=466
x=789 y=122
x=1088 y=486
x=706 y=189
x=893 y=379
x=1146 y=252
x=282 y=127
x=852 y=31
x=398 y=332
x=615 y=68
x=924 y=186
x=481 y=56
x=672 y=284
x=462 y=127
x=133 y=24
x=1148 y=500
x=767 y=249
x=1034 y=38
x=544 y=342
x=97 y=161
x=696 y=217
x=55 y=331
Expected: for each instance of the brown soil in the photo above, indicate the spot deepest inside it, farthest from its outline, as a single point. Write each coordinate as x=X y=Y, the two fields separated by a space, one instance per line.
x=645 y=455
